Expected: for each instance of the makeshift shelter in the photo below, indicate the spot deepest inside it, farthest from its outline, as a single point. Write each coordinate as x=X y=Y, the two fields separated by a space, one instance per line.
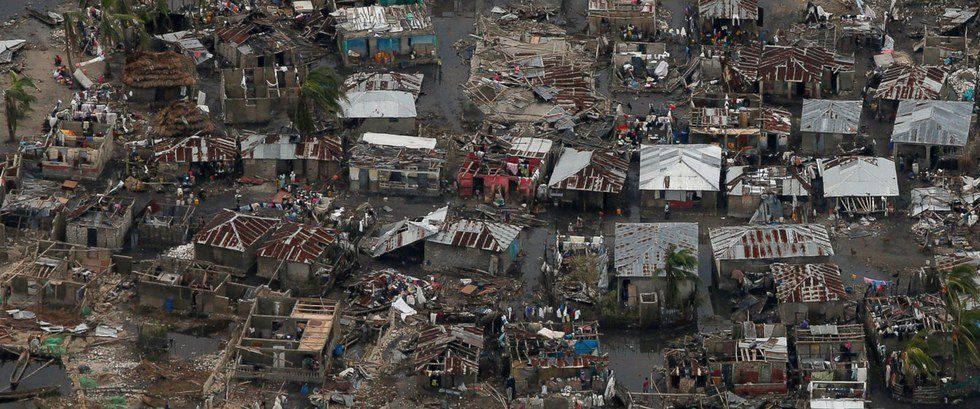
x=158 y=77
x=859 y=184
x=683 y=175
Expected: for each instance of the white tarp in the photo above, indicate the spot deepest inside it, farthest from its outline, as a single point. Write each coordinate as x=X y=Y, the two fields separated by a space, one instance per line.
x=404 y=310
x=547 y=333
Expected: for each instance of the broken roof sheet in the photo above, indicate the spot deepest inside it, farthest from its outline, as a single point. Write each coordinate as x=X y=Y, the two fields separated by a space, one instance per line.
x=798 y=283
x=527 y=147
x=729 y=9
x=196 y=149
x=911 y=82
x=384 y=81
x=383 y=19
x=449 y=349
x=858 y=176
x=680 y=167
x=402 y=141
x=788 y=63
x=588 y=170
x=632 y=6
x=744 y=180
x=379 y=104
x=944 y=123
x=641 y=249
x=407 y=232
x=477 y=234
x=770 y=242
x=831 y=116
x=298 y=243
x=234 y=231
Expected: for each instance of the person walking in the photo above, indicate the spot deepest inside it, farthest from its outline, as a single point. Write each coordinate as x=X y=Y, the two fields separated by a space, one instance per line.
x=646 y=385
x=667 y=211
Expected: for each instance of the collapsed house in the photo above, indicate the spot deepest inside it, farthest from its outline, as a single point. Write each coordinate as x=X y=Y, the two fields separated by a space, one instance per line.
x=59 y=274
x=384 y=81
x=769 y=193
x=304 y=258
x=193 y=286
x=396 y=164
x=405 y=233
x=739 y=129
x=941 y=128
x=641 y=262
x=739 y=251
x=232 y=239
x=761 y=363
x=256 y=95
x=447 y=356
x=204 y=154
x=859 y=184
x=77 y=155
x=548 y=80
x=163 y=225
x=187 y=42
x=473 y=245
x=811 y=293
x=100 y=221
x=631 y=20
x=955 y=19
x=288 y=340
x=10 y=172
x=826 y=125
x=643 y=67
x=833 y=353
x=255 y=43
x=729 y=15
x=311 y=157
x=855 y=25
x=575 y=269
x=951 y=194
x=588 y=178
x=518 y=169
x=388 y=35
x=793 y=72
x=159 y=77
x=551 y=352
x=685 y=176
x=944 y=50
x=36 y=209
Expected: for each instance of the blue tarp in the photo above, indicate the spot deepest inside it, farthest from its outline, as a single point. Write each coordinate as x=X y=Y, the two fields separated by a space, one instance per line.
x=586 y=346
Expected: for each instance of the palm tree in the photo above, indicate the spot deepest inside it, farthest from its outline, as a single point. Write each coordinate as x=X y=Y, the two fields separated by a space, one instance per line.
x=960 y=292
x=917 y=357
x=17 y=102
x=321 y=91
x=680 y=270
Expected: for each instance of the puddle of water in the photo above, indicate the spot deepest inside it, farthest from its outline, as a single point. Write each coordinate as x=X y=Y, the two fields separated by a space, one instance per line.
x=53 y=374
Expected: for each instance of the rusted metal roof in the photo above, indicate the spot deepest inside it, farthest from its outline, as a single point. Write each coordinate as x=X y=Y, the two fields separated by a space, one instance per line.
x=383 y=19
x=588 y=170
x=911 y=82
x=770 y=242
x=236 y=34
x=776 y=120
x=234 y=231
x=195 y=149
x=449 y=349
x=477 y=234
x=729 y=9
x=323 y=148
x=298 y=243
x=384 y=81
x=808 y=282
x=641 y=249
x=786 y=63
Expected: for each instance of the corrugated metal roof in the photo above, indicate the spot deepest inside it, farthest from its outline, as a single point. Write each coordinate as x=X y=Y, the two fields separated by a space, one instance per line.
x=911 y=82
x=831 y=116
x=641 y=249
x=477 y=234
x=770 y=242
x=680 y=167
x=234 y=231
x=383 y=19
x=945 y=123
x=728 y=9
x=593 y=171
x=298 y=243
x=406 y=232
x=526 y=147
x=323 y=148
x=744 y=180
x=378 y=104
x=808 y=282
x=858 y=176
x=401 y=141
x=776 y=120
x=786 y=63
x=632 y=6
x=384 y=81
x=196 y=149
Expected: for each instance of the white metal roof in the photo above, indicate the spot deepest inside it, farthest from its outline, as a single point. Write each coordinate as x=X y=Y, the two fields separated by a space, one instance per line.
x=924 y=122
x=379 y=104
x=858 y=176
x=830 y=116
x=641 y=249
x=571 y=161
x=680 y=167
x=404 y=141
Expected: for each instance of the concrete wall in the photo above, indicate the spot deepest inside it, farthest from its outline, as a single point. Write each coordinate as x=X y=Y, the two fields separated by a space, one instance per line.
x=652 y=199
x=743 y=206
x=243 y=261
x=293 y=276
x=828 y=312
x=155 y=294
x=108 y=237
x=263 y=168
x=441 y=256
x=816 y=142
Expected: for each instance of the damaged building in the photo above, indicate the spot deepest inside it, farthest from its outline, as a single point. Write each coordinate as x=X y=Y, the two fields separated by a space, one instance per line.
x=629 y=20
x=640 y=265
x=386 y=35
x=396 y=164
x=793 y=72
x=232 y=239
x=406 y=233
x=685 y=176
x=205 y=154
x=833 y=354
x=770 y=193
x=259 y=94
x=811 y=293
x=829 y=126
x=188 y=286
x=287 y=340
x=859 y=184
x=100 y=221
x=473 y=245
x=163 y=225
x=58 y=274
x=741 y=251
x=255 y=43
x=273 y=154
x=570 y=264
x=304 y=258
x=517 y=169
x=588 y=178
x=447 y=356
x=77 y=155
